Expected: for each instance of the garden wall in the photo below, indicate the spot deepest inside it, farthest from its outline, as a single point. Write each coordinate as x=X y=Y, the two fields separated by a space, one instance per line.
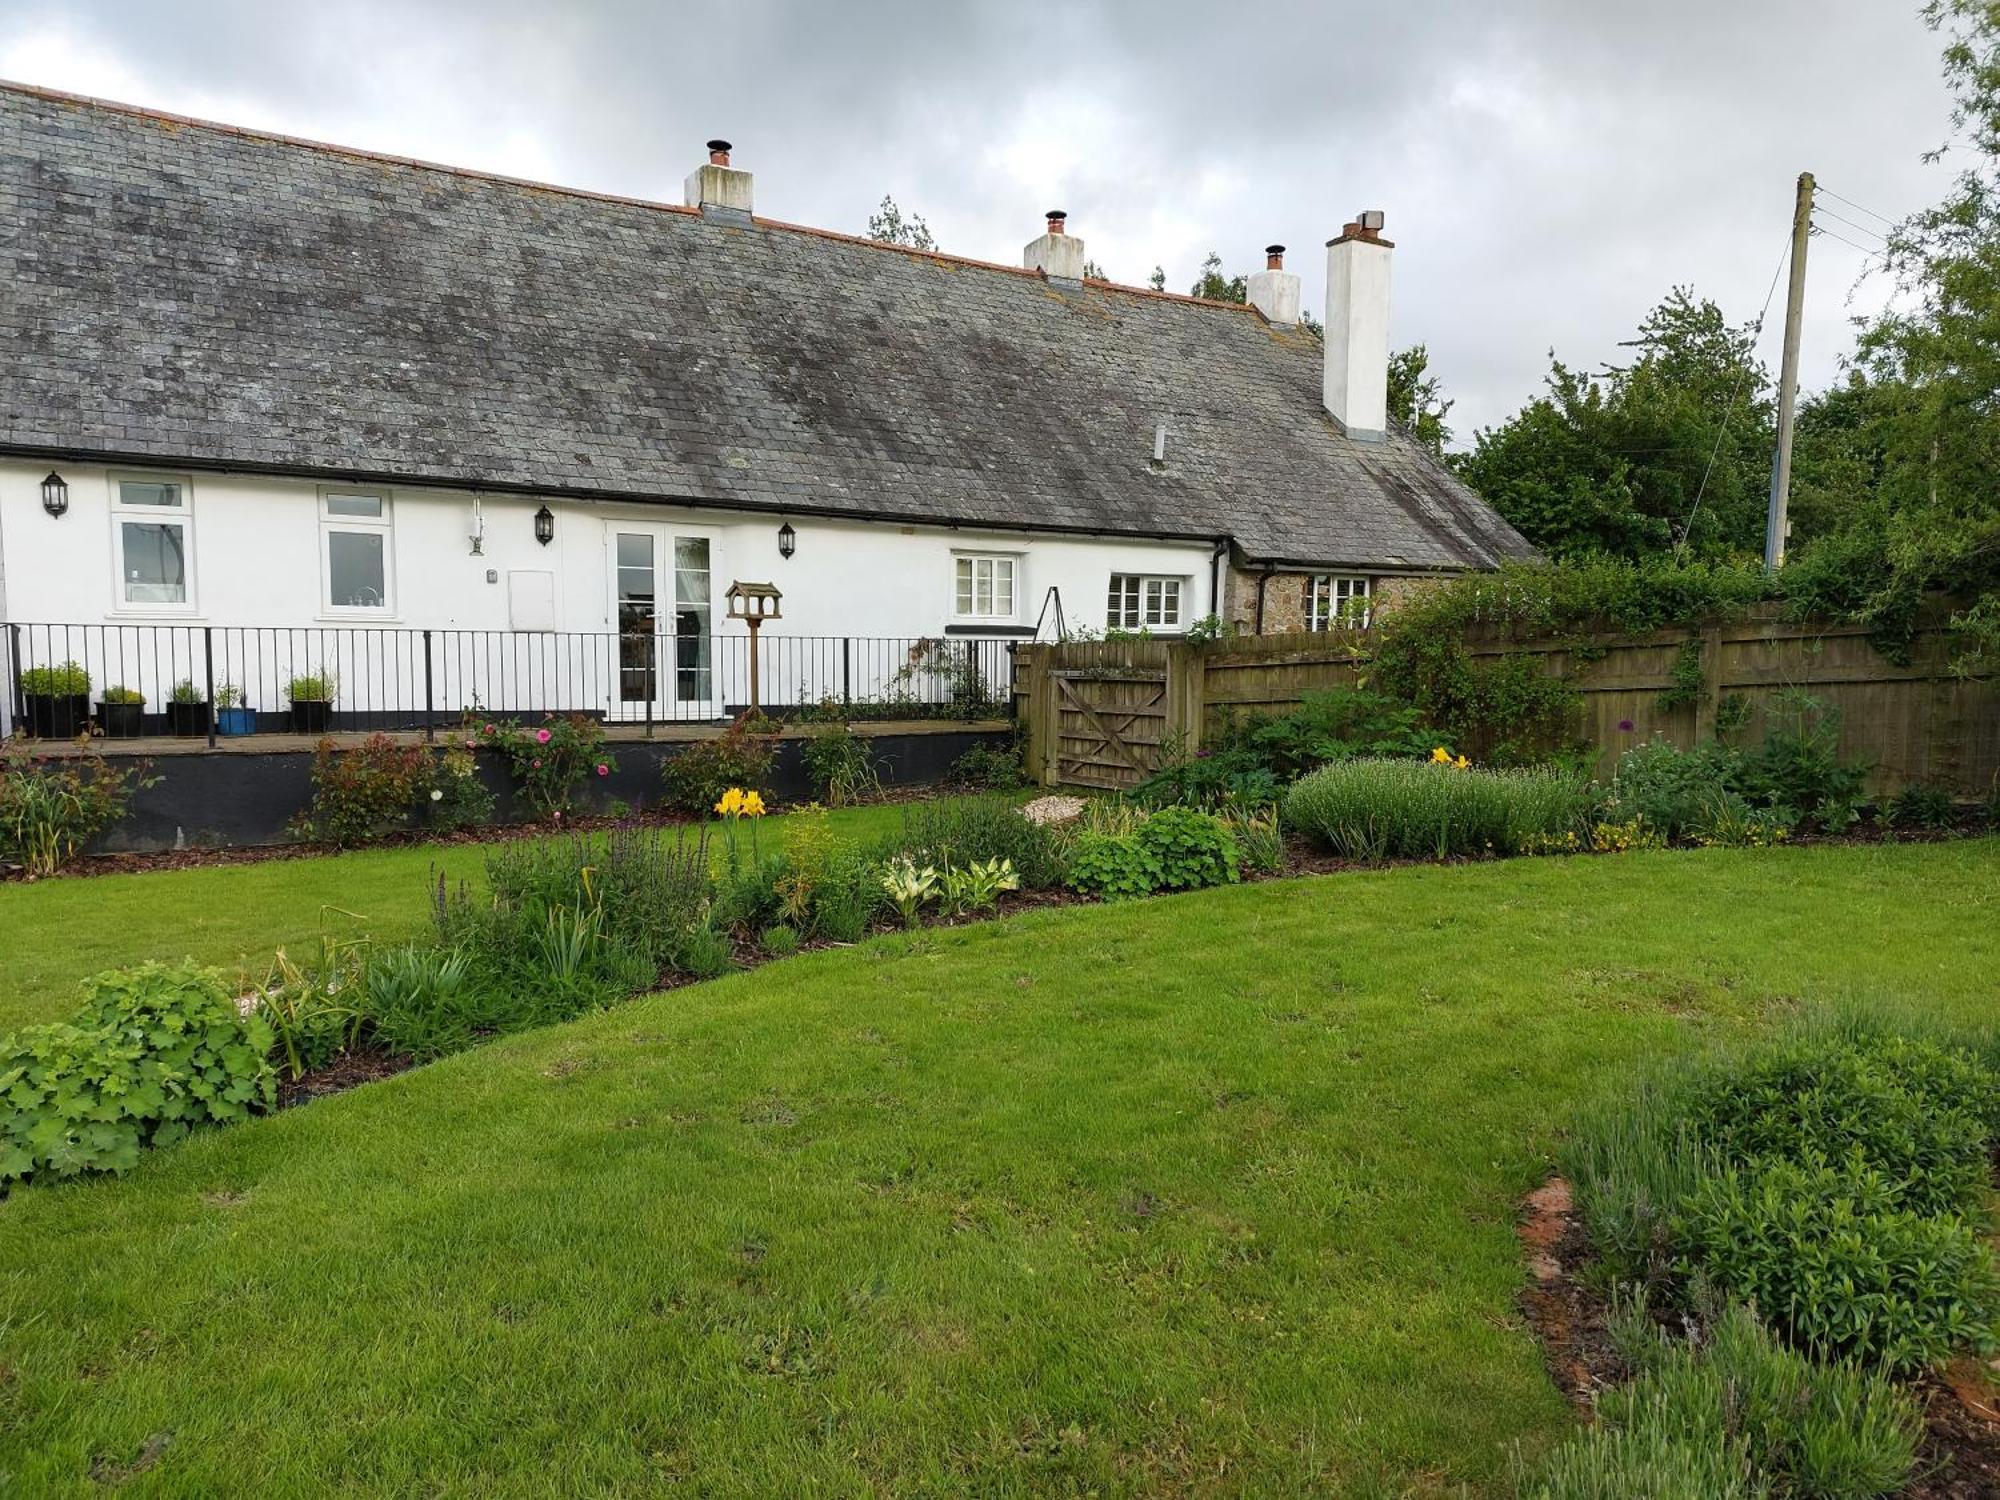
x=1097 y=713
x=214 y=799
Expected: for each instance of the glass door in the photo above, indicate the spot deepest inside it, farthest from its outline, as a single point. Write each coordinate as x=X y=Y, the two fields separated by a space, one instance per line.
x=635 y=605
x=694 y=631
x=666 y=666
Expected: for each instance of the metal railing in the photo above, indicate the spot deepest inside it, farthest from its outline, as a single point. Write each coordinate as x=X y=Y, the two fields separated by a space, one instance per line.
x=225 y=680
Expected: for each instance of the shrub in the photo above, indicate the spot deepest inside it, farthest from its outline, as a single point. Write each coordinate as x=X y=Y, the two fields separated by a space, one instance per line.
x=458 y=798
x=186 y=693
x=706 y=954
x=1260 y=838
x=1921 y=805
x=651 y=887
x=695 y=778
x=549 y=763
x=1672 y=789
x=1113 y=866
x=363 y=794
x=1192 y=849
x=847 y=896
x=123 y=694
x=155 y=1052
x=965 y=829
x=1380 y=809
x=1798 y=766
x=779 y=941
x=312 y=687
x=1227 y=778
x=976 y=887
x=910 y=887
x=839 y=764
x=65 y=681
x=310 y=1007
x=51 y=807
x=1338 y=724
x=1742 y=1415
x=989 y=768
x=425 y=1001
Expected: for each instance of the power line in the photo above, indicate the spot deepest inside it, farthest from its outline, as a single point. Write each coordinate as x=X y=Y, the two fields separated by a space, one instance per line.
x=1829 y=234
x=1842 y=218
x=1687 y=528
x=1862 y=206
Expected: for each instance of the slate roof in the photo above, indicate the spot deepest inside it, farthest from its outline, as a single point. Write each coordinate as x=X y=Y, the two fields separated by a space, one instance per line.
x=178 y=292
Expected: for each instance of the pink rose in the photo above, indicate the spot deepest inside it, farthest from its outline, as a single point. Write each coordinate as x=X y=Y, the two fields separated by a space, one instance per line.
x=534 y=765
x=541 y=736
x=472 y=744
x=487 y=730
x=603 y=769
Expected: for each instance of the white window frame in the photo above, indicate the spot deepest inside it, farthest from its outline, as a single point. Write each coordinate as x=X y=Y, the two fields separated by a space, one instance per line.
x=383 y=525
x=1145 y=595
x=183 y=515
x=993 y=561
x=1331 y=593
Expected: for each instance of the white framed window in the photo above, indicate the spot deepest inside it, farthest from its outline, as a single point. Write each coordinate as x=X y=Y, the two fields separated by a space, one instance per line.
x=152 y=541
x=1143 y=601
x=983 y=585
x=357 y=552
x=1335 y=599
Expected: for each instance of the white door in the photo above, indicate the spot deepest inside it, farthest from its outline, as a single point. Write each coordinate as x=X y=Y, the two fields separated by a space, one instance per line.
x=661 y=606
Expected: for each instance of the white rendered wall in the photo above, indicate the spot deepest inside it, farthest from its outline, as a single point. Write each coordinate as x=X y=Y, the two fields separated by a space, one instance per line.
x=1356 y=379
x=256 y=586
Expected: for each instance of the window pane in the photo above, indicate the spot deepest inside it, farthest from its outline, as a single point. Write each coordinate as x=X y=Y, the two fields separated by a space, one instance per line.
x=694 y=673
x=691 y=572
x=357 y=570
x=354 y=505
x=1170 y=601
x=148 y=492
x=155 y=562
x=1003 y=586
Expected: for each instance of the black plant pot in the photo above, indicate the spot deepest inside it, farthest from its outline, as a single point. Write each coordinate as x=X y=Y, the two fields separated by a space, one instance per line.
x=187 y=719
x=121 y=721
x=311 y=718
x=52 y=717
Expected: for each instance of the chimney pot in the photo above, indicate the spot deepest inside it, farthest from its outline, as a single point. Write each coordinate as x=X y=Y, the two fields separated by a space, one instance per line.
x=1056 y=217
x=718 y=153
x=1274 y=257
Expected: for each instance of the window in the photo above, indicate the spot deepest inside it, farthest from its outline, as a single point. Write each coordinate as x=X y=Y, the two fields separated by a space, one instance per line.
x=1334 y=599
x=152 y=522
x=355 y=533
x=984 y=587
x=1140 y=601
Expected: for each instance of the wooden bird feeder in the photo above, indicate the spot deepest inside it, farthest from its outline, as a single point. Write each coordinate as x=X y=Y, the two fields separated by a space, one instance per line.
x=753 y=604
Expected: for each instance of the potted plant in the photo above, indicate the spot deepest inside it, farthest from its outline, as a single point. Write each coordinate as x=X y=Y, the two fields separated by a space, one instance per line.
x=187 y=709
x=312 y=701
x=233 y=713
x=57 y=700
x=120 y=711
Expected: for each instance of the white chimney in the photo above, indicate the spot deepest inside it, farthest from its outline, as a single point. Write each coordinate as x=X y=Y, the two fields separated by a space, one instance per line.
x=1355 y=386
x=1056 y=255
x=715 y=186
x=1274 y=291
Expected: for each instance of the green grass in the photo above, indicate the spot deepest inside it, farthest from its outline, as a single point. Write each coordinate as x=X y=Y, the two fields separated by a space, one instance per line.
x=1209 y=1194
x=235 y=916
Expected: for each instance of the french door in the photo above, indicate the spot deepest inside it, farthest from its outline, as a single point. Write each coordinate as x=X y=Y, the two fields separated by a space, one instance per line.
x=661 y=608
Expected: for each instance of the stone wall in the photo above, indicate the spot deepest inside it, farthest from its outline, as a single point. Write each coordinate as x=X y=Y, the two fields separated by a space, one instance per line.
x=1287 y=597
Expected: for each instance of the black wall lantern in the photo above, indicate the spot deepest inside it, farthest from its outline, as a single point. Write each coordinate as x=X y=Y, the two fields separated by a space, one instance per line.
x=788 y=540
x=545 y=526
x=55 y=495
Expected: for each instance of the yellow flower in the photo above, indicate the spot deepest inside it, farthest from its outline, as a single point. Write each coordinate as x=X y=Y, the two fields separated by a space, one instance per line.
x=731 y=805
x=1441 y=756
x=1461 y=764
x=753 y=805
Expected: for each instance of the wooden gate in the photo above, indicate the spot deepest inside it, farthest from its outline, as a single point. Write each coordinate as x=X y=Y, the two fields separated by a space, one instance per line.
x=1109 y=726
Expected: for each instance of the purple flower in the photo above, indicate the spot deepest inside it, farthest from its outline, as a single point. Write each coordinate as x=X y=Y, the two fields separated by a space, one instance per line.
x=1626 y=725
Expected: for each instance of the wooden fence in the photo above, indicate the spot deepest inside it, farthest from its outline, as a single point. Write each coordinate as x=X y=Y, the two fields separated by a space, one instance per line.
x=1104 y=713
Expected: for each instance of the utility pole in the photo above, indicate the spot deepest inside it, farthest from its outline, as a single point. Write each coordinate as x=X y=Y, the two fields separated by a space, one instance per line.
x=1776 y=525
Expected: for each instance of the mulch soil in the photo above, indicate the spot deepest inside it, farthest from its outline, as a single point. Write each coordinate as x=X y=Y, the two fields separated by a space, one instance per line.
x=1960 y=1458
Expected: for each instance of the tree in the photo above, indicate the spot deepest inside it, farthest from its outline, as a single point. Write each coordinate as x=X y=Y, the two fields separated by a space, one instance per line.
x=1158 y=280
x=1671 y=451
x=1416 y=398
x=892 y=227
x=1092 y=271
x=1214 y=286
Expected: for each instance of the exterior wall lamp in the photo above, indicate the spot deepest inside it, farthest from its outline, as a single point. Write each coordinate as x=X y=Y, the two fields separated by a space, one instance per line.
x=545 y=526
x=55 y=495
x=788 y=540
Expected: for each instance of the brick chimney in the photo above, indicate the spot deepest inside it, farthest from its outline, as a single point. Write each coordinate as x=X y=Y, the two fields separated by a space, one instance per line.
x=718 y=189
x=1274 y=291
x=1355 y=384
x=1056 y=255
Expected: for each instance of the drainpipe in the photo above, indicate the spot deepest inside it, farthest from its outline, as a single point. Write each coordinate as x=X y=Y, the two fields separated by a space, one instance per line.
x=1263 y=579
x=1215 y=576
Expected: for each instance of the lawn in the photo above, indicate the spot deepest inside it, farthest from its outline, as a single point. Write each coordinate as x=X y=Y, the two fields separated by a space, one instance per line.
x=235 y=916
x=1201 y=1195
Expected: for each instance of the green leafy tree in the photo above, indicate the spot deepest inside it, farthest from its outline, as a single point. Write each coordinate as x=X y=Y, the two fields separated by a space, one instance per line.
x=1416 y=398
x=892 y=226
x=1213 y=285
x=1158 y=280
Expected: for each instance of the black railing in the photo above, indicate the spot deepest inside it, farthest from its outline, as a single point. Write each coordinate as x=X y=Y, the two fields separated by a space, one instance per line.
x=227 y=679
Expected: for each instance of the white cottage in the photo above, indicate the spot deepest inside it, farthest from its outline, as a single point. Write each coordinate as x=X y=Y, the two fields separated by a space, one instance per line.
x=273 y=409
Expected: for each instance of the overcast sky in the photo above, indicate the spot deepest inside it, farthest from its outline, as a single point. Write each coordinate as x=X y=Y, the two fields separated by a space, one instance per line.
x=1549 y=168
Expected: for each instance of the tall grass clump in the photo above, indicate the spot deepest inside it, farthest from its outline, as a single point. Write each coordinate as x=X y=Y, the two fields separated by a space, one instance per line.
x=1400 y=809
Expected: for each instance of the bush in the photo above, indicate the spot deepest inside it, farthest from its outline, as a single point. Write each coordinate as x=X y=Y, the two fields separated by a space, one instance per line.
x=51 y=807
x=988 y=768
x=1920 y=805
x=1338 y=724
x=848 y=895
x=1191 y=849
x=1735 y=1413
x=1260 y=838
x=1382 y=809
x=968 y=829
x=651 y=887
x=66 y=681
x=1798 y=769
x=551 y=762
x=1672 y=789
x=695 y=778
x=312 y=687
x=840 y=764
x=311 y=1007
x=1209 y=781
x=458 y=798
x=366 y=793
x=122 y=694
x=1113 y=866
x=779 y=941
x=975 y=887
x=155 y=1052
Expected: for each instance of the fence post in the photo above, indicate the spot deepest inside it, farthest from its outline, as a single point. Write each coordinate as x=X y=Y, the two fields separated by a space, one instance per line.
x=208 y=673
x=15 y=703
x=430 y=699
x=847 y=671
